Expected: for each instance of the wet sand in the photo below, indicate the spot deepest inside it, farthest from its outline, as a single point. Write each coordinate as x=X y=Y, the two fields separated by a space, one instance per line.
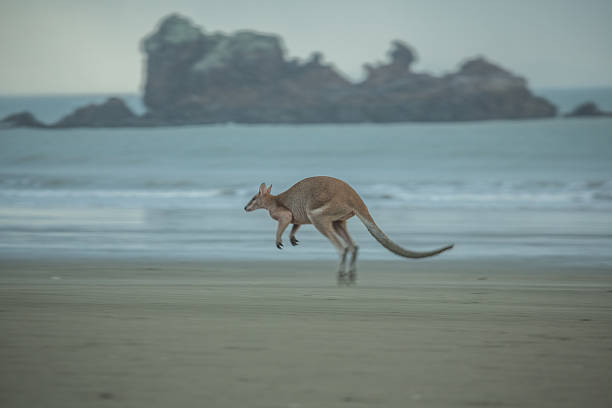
x=278 y=334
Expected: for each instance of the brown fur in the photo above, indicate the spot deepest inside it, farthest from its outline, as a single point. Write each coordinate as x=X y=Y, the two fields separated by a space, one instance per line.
x=327 y=203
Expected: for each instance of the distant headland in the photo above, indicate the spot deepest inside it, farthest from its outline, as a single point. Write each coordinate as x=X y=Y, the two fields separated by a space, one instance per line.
x=194 y=77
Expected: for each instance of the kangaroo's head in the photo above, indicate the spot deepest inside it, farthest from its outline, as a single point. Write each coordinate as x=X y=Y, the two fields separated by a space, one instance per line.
x=261 y=199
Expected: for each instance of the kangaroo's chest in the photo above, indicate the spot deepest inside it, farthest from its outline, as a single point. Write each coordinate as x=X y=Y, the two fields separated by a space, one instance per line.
x=299 y=215
x=298 y=210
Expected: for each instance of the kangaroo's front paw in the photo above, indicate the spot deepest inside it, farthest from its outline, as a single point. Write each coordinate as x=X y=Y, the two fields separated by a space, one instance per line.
x=279 y=244
x=294 y=241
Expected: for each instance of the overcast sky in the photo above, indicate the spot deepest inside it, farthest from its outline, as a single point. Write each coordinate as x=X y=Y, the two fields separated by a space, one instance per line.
x=81 y=46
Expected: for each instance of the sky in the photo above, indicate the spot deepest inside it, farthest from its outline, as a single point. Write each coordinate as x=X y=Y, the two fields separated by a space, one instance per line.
x=84 y=46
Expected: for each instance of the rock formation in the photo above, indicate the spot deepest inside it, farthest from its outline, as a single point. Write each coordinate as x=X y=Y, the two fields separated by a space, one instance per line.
x=195 y=77
x=588 y=109
x=112 y=113
x=245 y=77
x=21 y=119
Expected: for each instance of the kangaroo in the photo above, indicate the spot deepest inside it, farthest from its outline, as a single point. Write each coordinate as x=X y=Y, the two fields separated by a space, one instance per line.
x=327 y=203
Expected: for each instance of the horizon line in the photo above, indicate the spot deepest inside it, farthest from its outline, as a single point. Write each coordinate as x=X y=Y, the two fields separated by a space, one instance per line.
x=140 y=93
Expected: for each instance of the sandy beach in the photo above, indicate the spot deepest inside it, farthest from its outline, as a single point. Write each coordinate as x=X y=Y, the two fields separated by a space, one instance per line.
x=78 y=333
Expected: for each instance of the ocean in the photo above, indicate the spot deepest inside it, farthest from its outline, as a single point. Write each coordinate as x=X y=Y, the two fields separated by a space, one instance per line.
x=535 y=189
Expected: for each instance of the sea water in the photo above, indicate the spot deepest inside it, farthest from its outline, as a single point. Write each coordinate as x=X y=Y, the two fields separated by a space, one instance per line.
x=497 y=189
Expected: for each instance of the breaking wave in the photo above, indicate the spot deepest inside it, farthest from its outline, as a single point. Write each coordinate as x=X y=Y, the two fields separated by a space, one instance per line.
x=537 y=194
x=495 y=194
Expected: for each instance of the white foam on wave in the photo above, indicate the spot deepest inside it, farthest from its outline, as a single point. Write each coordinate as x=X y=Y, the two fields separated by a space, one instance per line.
x=523 y=194
x=505 y=194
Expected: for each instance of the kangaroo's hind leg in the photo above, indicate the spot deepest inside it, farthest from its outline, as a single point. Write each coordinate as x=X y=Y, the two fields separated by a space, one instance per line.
x=292 y=237
x=342 y=231
x=324 y=225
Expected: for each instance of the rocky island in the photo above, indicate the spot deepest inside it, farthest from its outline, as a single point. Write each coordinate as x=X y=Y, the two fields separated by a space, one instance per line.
x=588 y=109
x=195 y=77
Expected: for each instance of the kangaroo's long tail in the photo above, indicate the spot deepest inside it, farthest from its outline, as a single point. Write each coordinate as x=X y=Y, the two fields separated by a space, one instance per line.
x=385 y=241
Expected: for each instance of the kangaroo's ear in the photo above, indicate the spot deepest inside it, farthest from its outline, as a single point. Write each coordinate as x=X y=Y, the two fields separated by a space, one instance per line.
x=269 y=189
x=262 y=188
